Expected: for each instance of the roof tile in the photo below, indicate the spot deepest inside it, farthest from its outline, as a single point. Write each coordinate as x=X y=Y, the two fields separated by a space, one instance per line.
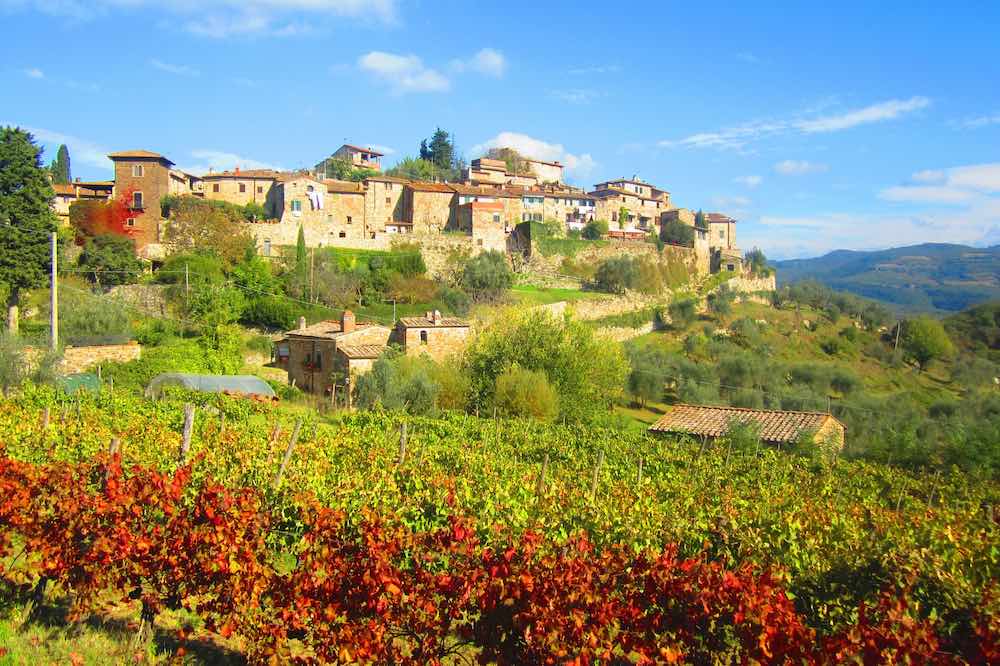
x=710 y=421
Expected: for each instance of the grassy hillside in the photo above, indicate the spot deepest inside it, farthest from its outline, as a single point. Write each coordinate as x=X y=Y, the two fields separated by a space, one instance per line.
x=802 y=358
x=933 y=277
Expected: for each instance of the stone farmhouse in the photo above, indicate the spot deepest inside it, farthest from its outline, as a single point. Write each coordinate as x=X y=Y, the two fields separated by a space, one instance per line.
x=481 y=213
x=68 y=194
x=327 y=353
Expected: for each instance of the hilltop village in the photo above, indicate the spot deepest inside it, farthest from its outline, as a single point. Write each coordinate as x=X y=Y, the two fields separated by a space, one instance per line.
x=485 y=210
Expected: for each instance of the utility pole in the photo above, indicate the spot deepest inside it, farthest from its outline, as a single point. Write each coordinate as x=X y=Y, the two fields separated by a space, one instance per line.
x=394 y=312
x=899 y=325
x=187 y=284
x=54 y=298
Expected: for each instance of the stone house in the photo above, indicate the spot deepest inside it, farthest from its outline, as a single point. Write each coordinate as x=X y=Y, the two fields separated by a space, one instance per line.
x=726 y=255
x=150 y=177
x=361 y=158
x=429 y=207
x=384 y=205
x=547 y=172
x=644 y=202
x=775 y=427
x=311 y=354
x=486 y=171
x=240 y=187
x=437 y=336
x=69 y=193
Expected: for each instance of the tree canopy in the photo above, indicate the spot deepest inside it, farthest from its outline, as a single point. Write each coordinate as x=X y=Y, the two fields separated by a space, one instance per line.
x=440 y=151
x=486 y=276
x=675 y=232
x=924 y=339
x=26 y=220
x=110 y=260
x=198 y=224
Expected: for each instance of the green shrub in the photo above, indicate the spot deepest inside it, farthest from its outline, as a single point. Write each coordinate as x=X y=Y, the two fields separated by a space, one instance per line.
x=526 y=393
x=617 y=274
x=595 y=230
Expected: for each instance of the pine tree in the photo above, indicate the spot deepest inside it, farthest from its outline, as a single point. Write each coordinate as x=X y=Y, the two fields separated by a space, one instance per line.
x=26 y=220
x=60 y=168
x=442 y=150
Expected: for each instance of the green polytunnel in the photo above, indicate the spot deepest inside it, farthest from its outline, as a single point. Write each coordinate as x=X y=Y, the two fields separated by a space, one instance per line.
x=243 y=384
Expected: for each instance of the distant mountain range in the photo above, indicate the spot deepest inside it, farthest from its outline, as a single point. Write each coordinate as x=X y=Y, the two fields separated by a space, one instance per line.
x=937 y=278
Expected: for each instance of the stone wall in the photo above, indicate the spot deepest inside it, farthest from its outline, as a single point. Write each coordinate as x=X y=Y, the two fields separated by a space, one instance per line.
x=588 y=310
x=255 y=189
x=148 y=298
x=81 y=359
x=746 y=284
x=623 y=333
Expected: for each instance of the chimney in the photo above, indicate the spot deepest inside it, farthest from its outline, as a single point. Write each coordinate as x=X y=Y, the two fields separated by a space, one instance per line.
x=237 y=168
x=347 y=322
x=436 y=318
x=302 y=323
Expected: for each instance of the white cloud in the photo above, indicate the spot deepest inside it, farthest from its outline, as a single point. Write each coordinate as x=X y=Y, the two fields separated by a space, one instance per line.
x=180 y=70
x=889 y=110
x=576 y=96
x=34 y=73
x=737 y=137
x=597 y=69
x=580 y=165
x=749 y=181
x=218 y=160
x=981 y=121
x=958 y=185
x=798 y=167
x=403 y=73
x=222 y=18
x=81 y=151
x=982 y=177
x=488 y=62
x=926 y=194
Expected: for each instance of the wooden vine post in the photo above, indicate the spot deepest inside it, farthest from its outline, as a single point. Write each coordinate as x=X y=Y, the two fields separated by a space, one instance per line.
x=540 y=484
x=186 y=433
x=401 y=457
x=597 y=473
x=288 y=454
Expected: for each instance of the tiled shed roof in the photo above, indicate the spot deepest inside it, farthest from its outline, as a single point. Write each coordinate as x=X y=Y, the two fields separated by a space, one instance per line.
x=424 y=322
x=343 y=187
x=775 y=425
x=361 y=150
x=718 y=217
x=243 y=173
x=329 y=329
x=362 y=351
x=426 y=186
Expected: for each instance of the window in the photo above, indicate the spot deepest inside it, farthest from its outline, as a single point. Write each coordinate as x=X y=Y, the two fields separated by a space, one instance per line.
x=215 y=187
x=480 y=242
x=296 y=206
x=137 y=200
x=423 y=337
x=614 y=216
x=260 y=189
x=130 y=222
x=137 y=171
x=388 y=201
x=343 y=234
x=267 y=247
x=496 y=218
x=722 y=234
x=243 y=188
x=730 y=267
x=348 y=219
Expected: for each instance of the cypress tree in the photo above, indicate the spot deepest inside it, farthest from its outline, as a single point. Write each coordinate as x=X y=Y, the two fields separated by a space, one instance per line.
x=301 y=260
x=26 y=220
x=61 y=172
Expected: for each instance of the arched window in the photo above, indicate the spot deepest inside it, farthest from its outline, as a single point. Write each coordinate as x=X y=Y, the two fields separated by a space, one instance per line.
x=423 y=337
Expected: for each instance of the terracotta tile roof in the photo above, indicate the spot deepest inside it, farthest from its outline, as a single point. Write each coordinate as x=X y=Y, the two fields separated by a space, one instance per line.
x=775 y=425
x=718 y=217
x=531 y=159
x=248 y=173
x=361 y=150
x=425 y=186
x=65 y=189
x=489 y=163
x=387 y=179
x=424 y=322
x=287 y=177
x=484 y=191
x=362 y=351
x=343 y=187
x=329 y=330
x=133 y=154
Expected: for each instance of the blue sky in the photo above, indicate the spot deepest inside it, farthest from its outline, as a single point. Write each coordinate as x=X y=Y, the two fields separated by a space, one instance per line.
x=818 y=127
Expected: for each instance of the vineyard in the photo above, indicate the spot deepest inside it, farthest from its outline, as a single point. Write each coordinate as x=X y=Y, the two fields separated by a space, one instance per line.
x=385 y=538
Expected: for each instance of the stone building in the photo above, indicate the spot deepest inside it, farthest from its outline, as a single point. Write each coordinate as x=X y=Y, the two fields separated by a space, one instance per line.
x=437 y=336
x=726 y=255
x=486 y=171
x=429 y=207
x=239 y=187
x=310 y=354
x=149 y=177
x=384 y=205
x=546 y=172
x=68 y=194
x=361 y=158
x=644 y=202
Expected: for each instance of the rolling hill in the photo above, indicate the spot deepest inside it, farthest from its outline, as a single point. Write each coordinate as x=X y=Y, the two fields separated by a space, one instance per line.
x=937 y=278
